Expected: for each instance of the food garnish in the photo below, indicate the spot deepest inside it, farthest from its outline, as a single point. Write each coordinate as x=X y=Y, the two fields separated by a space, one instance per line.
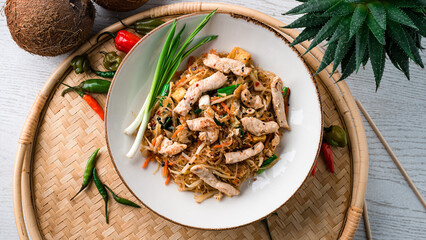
x=120 y=199
x=92 y=86
x=102 y=191
x=87 y=176
x=170 y=58
x=123 y=40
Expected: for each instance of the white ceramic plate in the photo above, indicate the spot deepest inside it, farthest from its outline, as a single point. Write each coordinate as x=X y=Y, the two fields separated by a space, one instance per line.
x=273 y=187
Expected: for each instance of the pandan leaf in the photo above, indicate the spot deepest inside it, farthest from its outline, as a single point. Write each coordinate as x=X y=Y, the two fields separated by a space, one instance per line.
x=341 y=29
x=325 y=32
x=307 y=34
x=379 y=13
x=312 y=6
x=328 y=57
x=348 y=67
x=358 y=19
x=308 y=20
x=397 y=33
x=374 y=27
x=342 y=48
x=417 y=59
x=361 y=39
x=377 y=56
x=418 y=20
x=397 y=15
x=341 y=8
x=408 y=4
x=399 y=59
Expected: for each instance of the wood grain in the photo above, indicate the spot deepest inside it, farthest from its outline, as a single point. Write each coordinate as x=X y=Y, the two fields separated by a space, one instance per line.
x=398 y=109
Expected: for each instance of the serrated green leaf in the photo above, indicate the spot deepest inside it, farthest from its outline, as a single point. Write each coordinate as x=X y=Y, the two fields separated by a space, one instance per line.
x=349 y=67
x=312 y=6
x=377 y=56
x=399 y=59
x=361 y=39
x=341 y=8
x=408 y=3
x=379 y=13
x=358 y=19
x=418 y=20
x=307 y=34
x=397 y=34
x=342 y=48
x=325 y=32
x=365 y=60
x=377 y=31
x=307 y=20
x=416 y=54
x=397 y=15
x=328 y=57
x=341 y=29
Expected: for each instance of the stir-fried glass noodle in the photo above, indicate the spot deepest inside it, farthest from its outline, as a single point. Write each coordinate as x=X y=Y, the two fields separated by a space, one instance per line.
x=217 y=125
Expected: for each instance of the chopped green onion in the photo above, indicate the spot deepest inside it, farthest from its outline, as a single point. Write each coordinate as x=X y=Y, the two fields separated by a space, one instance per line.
x=285 y=90
x=228 y=90
x=170 y=58
x=217 y=122
x=197 y=111
x=266 y=163
x=165 y=90
x=167 y=123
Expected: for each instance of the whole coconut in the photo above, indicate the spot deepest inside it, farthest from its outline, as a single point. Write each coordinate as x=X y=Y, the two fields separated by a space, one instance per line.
x=49 y=27
x=120 y=5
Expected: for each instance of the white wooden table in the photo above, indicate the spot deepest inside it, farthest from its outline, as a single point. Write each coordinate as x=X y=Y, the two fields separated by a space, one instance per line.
x=398 y=109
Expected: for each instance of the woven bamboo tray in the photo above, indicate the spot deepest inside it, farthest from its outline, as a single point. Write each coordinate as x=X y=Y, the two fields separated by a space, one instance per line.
x=60 y=133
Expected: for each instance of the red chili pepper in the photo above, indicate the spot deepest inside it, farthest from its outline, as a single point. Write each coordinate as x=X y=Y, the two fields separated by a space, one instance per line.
x=91 y=101
x=124 y=40
x=328 y=156
x=315 y=168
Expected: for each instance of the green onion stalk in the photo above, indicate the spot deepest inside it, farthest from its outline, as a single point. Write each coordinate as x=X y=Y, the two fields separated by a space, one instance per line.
x=170 y=58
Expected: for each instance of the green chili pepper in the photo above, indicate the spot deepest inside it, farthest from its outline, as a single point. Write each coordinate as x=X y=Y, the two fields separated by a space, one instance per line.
x=335 y=136
x=87 y=176
x=107 y=74
x=102 y=191
x=266 y=163
x=197 y=111
x=285 y=90
x=111 y=60
x=80 y=63
x=145 y=26
x=92 y=86
x=228 y=90
x=122 y=200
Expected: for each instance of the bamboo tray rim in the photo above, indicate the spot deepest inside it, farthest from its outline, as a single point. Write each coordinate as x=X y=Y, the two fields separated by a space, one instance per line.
x=346 y=106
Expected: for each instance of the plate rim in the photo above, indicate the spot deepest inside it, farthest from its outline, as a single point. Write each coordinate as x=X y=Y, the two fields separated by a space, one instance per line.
x=248 y=19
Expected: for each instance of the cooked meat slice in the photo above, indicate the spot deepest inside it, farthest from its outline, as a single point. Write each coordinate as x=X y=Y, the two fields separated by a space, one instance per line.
x=209 y=131
x=204 y=174
x=209 y=136
x=278 y=102
x=275 y=141
x=204 y=102
x=170 y=148
x=183 y=136
x=234 y=157
x=250 y=101
x=157 y=144
x=200 y=124
x=194 y=92
x=258 y=127
x=226 y=65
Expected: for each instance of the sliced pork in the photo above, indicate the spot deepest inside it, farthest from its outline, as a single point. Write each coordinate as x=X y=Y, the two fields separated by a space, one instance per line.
x=251 y=101
x=227 y=65
x=234 y=157
x=204 y=174
x=258 y=127
x=170 y=148
x=278 y=102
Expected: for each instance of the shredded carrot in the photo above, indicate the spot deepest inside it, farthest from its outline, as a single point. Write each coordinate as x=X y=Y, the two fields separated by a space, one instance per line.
x=268 y=139
x=215 y=109
x=225 y=144
x=212 y=51
x=225 y=107
x=171 y=164
x=180 y=81
x=145 y=164
x=205 y=54
x=168 y=179
x=154 y=141
x=249 y=137
x=180 y=128
x=191 y=60
x=165 y=167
